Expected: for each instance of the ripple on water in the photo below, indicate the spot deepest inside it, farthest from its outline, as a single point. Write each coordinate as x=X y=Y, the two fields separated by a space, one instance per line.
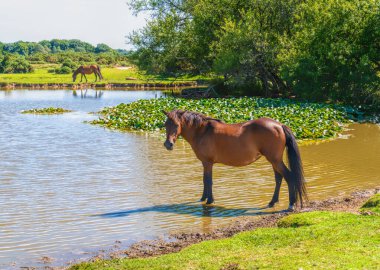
x=68 y=188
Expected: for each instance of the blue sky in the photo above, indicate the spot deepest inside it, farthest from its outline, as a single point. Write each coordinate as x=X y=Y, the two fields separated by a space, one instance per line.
x=94 y=21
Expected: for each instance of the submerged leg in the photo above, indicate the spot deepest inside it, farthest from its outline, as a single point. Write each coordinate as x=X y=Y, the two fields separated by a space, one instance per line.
x=284 y=171
x=207 y=183
x=278 y=178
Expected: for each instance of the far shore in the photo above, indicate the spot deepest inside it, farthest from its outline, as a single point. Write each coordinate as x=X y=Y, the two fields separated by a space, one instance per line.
x=100 y=86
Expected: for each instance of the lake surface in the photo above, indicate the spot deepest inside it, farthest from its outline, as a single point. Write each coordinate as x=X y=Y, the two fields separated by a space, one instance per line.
x=69 y=189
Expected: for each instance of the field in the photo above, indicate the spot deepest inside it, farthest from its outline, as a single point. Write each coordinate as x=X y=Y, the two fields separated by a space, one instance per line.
x=124 y=75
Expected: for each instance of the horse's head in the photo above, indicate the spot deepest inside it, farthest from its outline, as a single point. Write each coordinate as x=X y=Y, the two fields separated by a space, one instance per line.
x=173 y=129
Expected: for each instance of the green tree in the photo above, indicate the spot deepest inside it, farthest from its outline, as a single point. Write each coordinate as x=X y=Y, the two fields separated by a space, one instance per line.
x=336 y=52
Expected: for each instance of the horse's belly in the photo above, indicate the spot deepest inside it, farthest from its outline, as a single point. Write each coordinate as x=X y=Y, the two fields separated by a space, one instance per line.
x=238 y=156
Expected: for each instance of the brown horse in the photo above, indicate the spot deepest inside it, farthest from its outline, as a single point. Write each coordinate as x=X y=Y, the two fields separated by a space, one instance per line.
x=238 y=145
x=83 y=70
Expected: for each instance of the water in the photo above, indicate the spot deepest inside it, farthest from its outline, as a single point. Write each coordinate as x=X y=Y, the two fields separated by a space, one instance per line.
x=69 y=189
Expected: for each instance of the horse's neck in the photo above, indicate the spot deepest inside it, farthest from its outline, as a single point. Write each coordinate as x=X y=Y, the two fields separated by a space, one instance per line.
x=190 y=134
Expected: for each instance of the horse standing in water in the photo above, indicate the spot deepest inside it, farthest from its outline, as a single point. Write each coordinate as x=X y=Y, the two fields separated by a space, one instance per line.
x=238 y=145
x=83 y=70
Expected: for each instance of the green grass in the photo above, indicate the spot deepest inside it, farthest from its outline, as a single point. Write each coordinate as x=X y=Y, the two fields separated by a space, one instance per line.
x=372 y=205
x=50 y=110
x=41 y=75
x=307 y=120
x=314 y=240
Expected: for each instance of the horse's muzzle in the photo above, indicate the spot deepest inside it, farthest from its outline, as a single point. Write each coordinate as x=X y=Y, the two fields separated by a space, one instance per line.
x=168 y=145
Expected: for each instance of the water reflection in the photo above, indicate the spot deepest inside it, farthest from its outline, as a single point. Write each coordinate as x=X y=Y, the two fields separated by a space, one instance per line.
x=89 y=94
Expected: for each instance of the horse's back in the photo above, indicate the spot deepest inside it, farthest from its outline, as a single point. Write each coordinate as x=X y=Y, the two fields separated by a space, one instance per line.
x=243 y=143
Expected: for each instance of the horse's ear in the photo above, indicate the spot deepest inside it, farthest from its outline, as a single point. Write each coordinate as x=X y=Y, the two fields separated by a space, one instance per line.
x=164 y=112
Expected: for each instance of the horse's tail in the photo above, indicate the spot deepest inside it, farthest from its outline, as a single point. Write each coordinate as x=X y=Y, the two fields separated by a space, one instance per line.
x=100 y=73
x=295 y=164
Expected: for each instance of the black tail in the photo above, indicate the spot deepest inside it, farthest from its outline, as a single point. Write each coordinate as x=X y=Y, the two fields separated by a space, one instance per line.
x=100 y=74
x=295 y=164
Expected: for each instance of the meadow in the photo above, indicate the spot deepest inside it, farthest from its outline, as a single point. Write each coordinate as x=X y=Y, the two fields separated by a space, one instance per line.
x=43 y=74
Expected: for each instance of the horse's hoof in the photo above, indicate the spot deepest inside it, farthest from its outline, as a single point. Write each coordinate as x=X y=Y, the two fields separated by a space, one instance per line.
x=271 y=204
x=291 y=208
x=209 y=202
x=202 y=199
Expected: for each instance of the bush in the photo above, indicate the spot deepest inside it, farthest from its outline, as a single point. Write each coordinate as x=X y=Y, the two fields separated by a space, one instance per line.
x=67 y=67
x=63 y=70
x=12 y=63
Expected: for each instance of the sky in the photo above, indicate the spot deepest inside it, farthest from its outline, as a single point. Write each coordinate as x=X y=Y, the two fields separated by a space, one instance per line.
x=93 y=21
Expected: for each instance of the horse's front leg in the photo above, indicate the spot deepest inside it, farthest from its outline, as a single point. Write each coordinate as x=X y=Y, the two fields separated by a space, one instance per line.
x=81 y=77
x=207 y=183
x=96 y=77
x=85 y=77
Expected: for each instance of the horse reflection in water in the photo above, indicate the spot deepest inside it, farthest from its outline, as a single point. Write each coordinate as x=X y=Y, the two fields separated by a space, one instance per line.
x=89 y=95
x=214 y=141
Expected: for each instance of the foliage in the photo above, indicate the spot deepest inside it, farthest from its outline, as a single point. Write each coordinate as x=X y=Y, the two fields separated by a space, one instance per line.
x=307 y=120
x=312 y=240
x=59 y=50
x=50 y=110
x=336 y=51
x=12 y=63
x=321 y=50
x=67 y=67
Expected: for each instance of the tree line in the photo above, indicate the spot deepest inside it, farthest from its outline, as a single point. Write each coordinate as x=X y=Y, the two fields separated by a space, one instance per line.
x=314 y=49
x=18 y=57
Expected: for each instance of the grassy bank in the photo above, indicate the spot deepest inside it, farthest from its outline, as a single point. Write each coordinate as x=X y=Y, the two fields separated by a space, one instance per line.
x=307 y=120
x=128 y=75
x=313 y=240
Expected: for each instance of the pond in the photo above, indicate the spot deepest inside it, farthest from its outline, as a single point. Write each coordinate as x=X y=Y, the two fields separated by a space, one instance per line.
x=70 y=189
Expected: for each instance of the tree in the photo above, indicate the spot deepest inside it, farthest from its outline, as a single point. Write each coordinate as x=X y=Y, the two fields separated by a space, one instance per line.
x=336 y=52
x=322 y=50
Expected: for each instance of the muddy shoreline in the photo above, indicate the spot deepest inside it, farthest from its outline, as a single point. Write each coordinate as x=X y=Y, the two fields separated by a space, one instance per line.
x=177 y=241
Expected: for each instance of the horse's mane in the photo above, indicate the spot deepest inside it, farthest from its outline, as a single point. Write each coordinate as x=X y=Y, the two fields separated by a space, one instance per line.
x=191 y=119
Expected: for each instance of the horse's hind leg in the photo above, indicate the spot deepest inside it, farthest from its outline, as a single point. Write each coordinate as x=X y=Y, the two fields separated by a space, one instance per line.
x=280 y=167
x=85 y=77
x=278 y=178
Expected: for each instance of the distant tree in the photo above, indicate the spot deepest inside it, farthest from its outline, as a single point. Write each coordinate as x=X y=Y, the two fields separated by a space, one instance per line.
x=102 y=48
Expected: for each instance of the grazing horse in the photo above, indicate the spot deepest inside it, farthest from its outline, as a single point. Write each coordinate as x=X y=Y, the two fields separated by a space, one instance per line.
x=83 y=70
x=214 y=141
